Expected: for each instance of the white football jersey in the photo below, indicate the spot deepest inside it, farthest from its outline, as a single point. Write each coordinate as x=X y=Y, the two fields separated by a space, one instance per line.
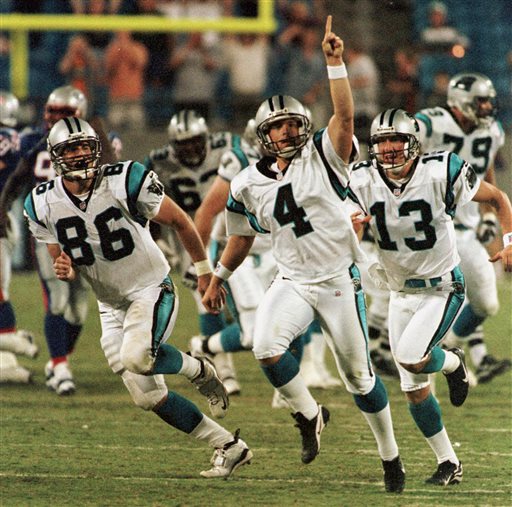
x=302 y=210
x=241 y=156
x=107 y=235
x=413 y=224
x=185 y=185
x=440 y=131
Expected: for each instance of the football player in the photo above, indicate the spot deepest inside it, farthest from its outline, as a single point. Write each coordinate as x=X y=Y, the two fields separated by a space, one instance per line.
x=410 y=201
x=12 y=341
x=95 y=221
x=65 y=304
x=467 y=125
x=248 y=284
x=187 y=166
x=297 y=196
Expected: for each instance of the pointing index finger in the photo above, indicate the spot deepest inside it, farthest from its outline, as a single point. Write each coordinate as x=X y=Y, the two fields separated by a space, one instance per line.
x=328 y=24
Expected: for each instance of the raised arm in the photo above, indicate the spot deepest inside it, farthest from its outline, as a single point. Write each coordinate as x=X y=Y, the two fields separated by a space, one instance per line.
x=341 y=124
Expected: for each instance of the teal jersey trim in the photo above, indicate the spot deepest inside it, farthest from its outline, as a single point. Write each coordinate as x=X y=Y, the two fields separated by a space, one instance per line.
x=162 y=313
x=451 y=309
x=29 y=207
x=455 y=164
x=360 y=301
x=237 y=207
x=426 y=120
x=137 y=173
x=342 y=191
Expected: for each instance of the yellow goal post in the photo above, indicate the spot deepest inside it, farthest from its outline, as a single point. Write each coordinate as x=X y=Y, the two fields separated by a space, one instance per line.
x=20 y=24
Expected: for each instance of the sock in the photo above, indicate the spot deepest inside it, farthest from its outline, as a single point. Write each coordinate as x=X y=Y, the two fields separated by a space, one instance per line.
x=382 y=428
x=55 y=330
x=169 y=359
x=210 y=324
x=211 y=432
x=299 y=398
x=7 y=317
x=451 y=362
x=467 y=322
x=375 y=401
x=297 y=348
x=179 y=412
x=283 y=371
x=228 y=340
x=72 y=332
x=442 y=447
x=427 y=416
x=437 y=360
x=284 y=375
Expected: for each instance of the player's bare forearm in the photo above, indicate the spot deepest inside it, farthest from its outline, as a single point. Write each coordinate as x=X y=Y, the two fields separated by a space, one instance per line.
x=341 y=124
x=236 y=251
x=493 y=196
x=172 y=215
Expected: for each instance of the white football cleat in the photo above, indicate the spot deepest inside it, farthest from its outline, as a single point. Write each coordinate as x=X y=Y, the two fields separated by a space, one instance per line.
x=227 y=459
x=210 y=385
x=59 y=378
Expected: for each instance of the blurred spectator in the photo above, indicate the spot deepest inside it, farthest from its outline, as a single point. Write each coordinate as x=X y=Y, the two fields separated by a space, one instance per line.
x=303 y=67
x=125 y=64
x=79 y=66
x=438 y=95
x=98 y=41
x=196 y=69
x=404 y=86
x=439 y=36
x=158 y=79
x=246 y=62
x=158 y=44
x=365 y=82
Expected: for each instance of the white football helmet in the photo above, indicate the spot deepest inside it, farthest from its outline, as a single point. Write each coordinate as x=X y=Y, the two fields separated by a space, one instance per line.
x=394 y=124
x=63 y=102
x=9 y=109
x=68 y=133
x=471 y=93
x=188 y=137
x=276 y=109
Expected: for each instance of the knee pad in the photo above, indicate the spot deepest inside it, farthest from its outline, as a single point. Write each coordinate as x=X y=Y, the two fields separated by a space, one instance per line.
x=136 y=354
x=136 y=357
x=146 y=391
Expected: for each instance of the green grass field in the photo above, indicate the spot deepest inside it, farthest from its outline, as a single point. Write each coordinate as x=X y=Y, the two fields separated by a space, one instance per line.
x=97 y=449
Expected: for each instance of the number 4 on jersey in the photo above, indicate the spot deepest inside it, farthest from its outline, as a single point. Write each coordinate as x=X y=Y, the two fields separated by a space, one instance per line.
x=286 y=212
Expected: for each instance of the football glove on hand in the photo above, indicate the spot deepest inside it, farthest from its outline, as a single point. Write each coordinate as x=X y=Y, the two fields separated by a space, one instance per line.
x=189 y=279
x=487 y=228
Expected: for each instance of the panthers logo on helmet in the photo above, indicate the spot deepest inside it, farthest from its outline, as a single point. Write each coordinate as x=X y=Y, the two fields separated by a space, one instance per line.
x=465 y=82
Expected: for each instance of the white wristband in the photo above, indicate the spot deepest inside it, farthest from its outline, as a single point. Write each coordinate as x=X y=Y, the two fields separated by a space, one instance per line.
x=222 y=272
x=337 y=71
x=507 y=239
x=202 y=267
